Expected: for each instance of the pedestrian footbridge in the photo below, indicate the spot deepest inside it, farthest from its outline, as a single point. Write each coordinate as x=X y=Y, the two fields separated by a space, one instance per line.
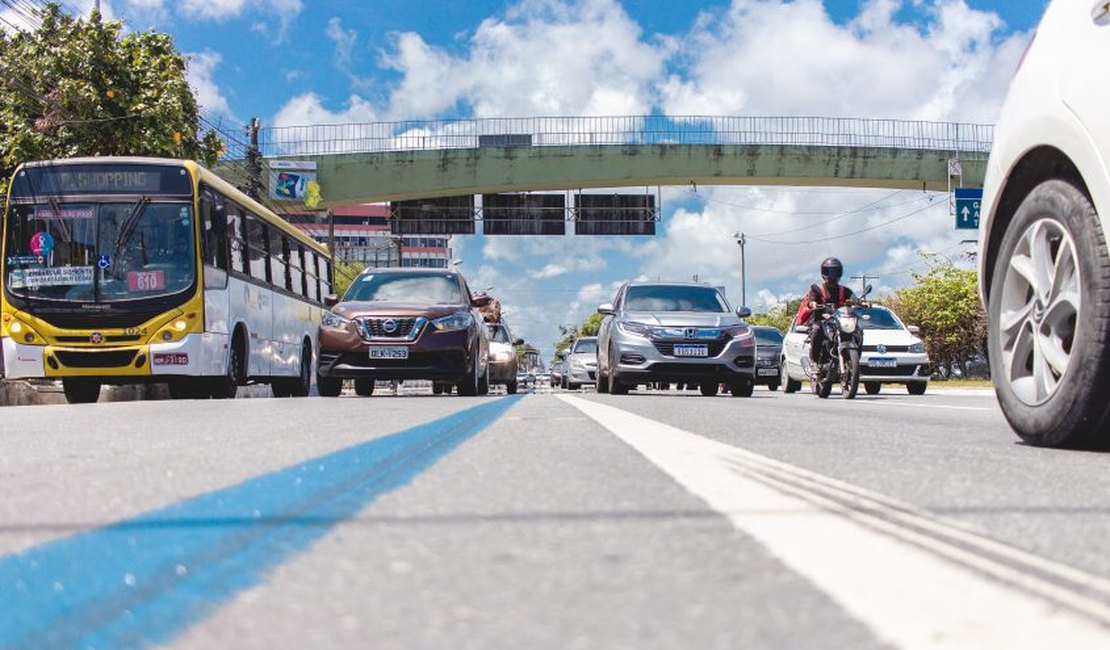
x=394 y=161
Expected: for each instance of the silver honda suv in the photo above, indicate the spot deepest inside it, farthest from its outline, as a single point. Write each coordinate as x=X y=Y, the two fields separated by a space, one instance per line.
x=674 y=332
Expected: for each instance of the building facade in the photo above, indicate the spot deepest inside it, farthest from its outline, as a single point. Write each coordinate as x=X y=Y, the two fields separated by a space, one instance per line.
x=362 y=234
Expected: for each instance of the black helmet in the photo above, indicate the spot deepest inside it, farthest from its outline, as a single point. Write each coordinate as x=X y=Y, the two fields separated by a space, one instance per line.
x=831 y=270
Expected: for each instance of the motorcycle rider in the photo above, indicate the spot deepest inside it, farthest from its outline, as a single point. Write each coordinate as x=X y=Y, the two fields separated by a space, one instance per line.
x=830 y=291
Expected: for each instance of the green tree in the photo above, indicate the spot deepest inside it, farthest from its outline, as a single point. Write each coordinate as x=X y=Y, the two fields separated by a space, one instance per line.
x=82 y=87
x=779 y=317
x=589 y=327
x=945 y=305
x=345 y=274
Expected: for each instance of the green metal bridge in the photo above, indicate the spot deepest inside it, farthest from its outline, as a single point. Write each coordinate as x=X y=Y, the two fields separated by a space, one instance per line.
x=395 y=161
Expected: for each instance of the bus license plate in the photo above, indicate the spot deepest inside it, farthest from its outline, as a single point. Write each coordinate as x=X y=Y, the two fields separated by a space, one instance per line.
x=682 y=350
x=882 y=363
x=389 y=353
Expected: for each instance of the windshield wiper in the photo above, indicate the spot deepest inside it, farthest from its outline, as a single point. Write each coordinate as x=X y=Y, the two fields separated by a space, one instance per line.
x=131 y=221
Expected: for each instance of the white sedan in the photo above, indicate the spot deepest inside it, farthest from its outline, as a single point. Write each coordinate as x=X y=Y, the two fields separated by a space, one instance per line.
x=891 y=354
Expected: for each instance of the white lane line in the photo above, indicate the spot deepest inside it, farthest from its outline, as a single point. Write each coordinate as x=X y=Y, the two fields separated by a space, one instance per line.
x=907 y=583
x=932 y=406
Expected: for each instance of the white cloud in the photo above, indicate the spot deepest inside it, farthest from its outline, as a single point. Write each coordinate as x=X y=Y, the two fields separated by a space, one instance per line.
x=344 y=39
x=284 y=10
x=200 y=72
x=544 y=57
x=309 y=109
x=770 y=57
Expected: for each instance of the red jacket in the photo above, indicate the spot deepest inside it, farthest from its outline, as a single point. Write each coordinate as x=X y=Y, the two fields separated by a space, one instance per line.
x=818 y=294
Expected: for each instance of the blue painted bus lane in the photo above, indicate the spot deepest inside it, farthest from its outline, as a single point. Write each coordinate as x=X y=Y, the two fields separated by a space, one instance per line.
x=145 y=580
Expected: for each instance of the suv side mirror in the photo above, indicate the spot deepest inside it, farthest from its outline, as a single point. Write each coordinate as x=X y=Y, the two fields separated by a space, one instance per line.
x=331 y=300
x=605 y=308
x=480 y=301
x=743 y=312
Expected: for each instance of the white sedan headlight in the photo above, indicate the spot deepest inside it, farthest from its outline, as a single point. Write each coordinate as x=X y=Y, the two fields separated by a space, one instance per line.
x=334 y=321
x=457 y=321
x=918 y=347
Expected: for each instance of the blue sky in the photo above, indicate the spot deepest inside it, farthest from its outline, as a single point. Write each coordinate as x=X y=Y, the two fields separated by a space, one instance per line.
x=295 y=62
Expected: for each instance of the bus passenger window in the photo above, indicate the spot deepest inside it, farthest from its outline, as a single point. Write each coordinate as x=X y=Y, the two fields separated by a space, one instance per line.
x=236 y=239
x=257 y=252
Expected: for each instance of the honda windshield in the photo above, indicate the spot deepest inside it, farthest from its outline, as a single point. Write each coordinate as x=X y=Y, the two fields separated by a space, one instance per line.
x=655 y=298
x=108 y=251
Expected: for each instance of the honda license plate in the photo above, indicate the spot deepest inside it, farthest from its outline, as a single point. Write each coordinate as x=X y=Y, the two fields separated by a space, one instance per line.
x=684 y=350
x=879 y=362
x=389 y=353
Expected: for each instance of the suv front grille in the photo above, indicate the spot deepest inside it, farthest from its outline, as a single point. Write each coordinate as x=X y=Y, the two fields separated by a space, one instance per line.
x=667 y=347
x=406 y=329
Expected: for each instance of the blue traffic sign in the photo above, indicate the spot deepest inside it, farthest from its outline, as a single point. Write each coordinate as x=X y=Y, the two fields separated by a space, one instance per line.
x=967 y=208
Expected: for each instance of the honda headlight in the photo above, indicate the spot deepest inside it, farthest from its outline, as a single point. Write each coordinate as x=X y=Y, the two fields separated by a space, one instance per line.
x=918 y=347
x=848 y=324
x=457 y=321
x=334 y=321
x=636 y=329
x=739 y=331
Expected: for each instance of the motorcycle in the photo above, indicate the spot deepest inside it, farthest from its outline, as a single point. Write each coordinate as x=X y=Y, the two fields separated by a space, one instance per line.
x=838 y=358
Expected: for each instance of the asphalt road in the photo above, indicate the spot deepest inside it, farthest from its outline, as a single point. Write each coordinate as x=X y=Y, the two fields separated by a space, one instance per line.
x=565 y=520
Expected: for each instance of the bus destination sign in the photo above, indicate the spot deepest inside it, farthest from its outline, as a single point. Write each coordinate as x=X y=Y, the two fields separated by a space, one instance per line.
x=101 y=179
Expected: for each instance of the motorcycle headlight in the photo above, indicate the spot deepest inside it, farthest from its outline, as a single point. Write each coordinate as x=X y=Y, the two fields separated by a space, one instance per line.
x=918 y=347
x=334 y=321
x=457 y=321
x=636 y=329
x=848 y=324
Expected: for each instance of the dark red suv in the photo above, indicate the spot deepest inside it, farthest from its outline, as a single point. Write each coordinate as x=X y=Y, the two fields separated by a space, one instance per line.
x=404 y=324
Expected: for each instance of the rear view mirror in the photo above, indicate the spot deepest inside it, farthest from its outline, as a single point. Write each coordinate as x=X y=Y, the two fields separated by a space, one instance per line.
x=331 y=300
x=743 y=312
x=605 y=308
x=480 y=301
x=914 y=329
x=518 y=341
x=801 y=329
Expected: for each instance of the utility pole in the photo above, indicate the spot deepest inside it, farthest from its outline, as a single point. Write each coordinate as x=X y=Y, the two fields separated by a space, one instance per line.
x=741 y=240
x=863 y=281
x=254 y=162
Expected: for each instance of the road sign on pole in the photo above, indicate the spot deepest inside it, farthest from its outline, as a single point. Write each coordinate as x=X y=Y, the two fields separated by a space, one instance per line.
x=967 y=208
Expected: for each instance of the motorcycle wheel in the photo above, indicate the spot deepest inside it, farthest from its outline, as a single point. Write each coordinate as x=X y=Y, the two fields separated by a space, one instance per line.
x=849 y=374
x=821 y=383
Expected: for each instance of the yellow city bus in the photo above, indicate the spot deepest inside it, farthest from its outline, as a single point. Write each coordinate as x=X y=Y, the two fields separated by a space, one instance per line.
x=122 y=270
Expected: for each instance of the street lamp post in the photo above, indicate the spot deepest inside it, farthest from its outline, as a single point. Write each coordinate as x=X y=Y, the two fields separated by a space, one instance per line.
x=740 y=241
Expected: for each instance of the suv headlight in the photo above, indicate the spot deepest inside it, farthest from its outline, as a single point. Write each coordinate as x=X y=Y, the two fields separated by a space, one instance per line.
x=636 y=329
x=457 y=321
x=918 y=347
x=334 y=321
x=738 y=331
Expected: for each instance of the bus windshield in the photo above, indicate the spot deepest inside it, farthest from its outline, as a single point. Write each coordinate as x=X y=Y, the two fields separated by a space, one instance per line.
x=107 y=251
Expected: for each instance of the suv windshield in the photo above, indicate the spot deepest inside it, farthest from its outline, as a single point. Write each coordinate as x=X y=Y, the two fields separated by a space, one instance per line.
x=100 y=252
x=877 y=318
x=588 y=346
x=499 y=334
x=674 y=298
x=406 y=287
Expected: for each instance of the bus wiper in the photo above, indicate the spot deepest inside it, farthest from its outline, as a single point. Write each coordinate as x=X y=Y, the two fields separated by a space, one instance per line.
x=131 y=221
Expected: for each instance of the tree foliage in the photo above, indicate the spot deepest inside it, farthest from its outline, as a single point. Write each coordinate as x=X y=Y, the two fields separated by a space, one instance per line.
x=779 y=317
x=83 y=87
x=345 y=274
x=589 y=327
x=945 y=305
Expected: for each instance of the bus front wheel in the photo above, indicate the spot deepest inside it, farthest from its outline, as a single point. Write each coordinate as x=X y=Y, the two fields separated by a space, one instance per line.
x=79 y=390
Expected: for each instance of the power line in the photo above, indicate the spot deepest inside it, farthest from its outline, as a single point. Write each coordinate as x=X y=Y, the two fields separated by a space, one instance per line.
x=850 y=234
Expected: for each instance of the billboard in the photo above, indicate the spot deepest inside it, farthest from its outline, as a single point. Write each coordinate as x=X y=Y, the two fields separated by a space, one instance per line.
x=450 y=215
x=524 y=214
x=290 y=180
x=615 y=214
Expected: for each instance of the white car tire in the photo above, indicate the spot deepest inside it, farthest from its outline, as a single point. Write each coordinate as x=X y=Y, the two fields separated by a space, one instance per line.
x=1049 y=309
